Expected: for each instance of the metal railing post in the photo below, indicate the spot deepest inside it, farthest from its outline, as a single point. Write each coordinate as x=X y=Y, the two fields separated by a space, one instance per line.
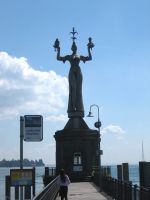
x=7 y=187
x=135 y=192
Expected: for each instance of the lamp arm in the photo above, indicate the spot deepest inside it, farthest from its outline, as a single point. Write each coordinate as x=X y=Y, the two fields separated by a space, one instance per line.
x=97 y=109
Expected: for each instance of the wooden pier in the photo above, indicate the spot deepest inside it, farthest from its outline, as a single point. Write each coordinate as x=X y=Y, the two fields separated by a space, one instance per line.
x=85 y=190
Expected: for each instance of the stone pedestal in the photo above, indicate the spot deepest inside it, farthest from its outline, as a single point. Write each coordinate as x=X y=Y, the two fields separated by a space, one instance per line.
x=77 y=149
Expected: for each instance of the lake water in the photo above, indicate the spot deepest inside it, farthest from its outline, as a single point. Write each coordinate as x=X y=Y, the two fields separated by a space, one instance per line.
x=133 y=173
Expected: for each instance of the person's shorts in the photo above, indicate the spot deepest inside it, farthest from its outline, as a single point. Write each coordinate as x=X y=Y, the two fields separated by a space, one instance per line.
x=63 y=191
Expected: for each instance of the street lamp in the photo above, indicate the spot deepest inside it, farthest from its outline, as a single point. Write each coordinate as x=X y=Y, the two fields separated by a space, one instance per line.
x=97 y=125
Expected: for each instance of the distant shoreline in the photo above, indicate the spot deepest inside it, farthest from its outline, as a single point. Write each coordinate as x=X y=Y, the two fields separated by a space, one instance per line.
x=23 y=166
x=26 y=163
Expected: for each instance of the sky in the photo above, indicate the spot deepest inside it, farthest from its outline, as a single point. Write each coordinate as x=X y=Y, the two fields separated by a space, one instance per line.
x=117 y=79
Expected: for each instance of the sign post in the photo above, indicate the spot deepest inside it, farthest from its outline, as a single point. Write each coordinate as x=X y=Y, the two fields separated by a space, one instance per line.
x=31 y=130
x=21 y=151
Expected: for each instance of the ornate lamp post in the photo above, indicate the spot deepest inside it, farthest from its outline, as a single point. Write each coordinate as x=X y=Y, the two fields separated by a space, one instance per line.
x=97 y=125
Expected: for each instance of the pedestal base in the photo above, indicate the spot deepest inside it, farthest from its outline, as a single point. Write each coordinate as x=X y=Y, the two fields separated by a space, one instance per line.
x=77 y=149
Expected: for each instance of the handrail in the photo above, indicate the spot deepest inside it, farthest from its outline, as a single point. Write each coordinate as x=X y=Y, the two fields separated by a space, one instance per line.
x=124 y=190
x=49 y=192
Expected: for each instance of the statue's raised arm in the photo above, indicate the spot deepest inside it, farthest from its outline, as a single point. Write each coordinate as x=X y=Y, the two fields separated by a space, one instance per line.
x=90 y=45
x=57 y=48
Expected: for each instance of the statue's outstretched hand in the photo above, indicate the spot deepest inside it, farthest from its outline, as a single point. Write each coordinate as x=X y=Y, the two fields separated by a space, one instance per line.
x=90 y=44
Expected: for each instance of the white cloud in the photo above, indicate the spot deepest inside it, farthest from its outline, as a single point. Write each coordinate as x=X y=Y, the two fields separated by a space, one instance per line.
x=26 y=90
x=60 y=117
x=115 y=130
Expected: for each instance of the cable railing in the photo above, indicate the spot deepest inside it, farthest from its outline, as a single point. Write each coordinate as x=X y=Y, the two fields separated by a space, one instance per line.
x=50 y=192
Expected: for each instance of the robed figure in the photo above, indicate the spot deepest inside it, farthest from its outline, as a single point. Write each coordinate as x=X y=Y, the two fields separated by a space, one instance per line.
x=75 y=102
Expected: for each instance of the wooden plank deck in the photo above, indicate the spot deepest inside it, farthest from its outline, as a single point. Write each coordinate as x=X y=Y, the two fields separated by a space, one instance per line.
x=84 y=190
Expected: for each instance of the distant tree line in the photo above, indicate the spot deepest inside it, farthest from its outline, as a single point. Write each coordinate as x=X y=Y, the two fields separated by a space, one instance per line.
x=16 y=163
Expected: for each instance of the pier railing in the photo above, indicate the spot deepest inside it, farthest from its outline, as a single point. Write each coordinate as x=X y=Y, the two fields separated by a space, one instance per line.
x=121 y=190
x=49 y=192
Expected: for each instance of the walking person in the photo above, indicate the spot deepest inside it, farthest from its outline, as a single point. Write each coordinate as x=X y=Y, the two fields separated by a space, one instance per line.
x=63 y=182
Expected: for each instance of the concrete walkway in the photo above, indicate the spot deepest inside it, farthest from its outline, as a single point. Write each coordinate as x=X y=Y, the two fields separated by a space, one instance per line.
x=84 y=190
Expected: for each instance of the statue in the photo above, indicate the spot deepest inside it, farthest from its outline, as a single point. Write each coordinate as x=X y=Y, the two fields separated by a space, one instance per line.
x=75 y=102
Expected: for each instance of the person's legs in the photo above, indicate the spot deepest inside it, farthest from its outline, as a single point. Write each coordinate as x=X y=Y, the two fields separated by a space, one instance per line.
x=66 y=191
x=63 y=192
x=66 y=196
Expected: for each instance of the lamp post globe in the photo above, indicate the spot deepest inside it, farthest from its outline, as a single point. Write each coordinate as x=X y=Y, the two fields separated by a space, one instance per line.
x=97 y=124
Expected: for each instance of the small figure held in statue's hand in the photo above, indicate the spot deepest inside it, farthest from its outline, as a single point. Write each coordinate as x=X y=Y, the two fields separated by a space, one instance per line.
x=90 y=44
x=56 y=45
x=63 y=182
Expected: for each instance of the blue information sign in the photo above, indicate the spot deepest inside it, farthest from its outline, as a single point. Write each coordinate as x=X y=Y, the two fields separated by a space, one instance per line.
x=33 y=128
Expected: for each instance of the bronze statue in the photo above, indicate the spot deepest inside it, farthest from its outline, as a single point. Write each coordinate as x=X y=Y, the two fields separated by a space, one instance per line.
x=75 y=103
